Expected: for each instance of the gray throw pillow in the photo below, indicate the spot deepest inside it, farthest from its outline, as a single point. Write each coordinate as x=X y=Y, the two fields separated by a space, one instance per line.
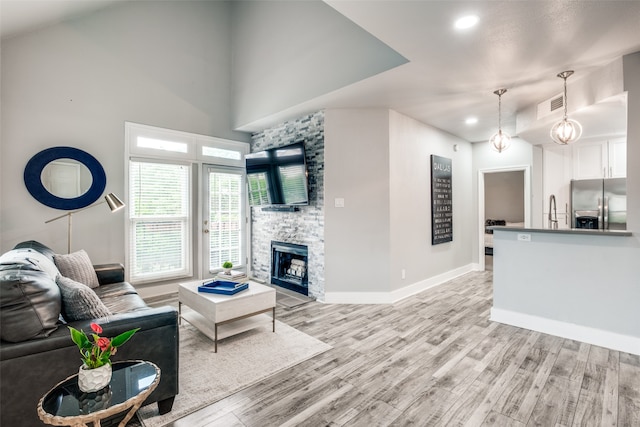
x=80 y=302
x=77 y=266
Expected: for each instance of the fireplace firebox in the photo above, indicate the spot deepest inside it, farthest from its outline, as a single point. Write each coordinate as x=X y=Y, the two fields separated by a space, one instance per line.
x=289 y=266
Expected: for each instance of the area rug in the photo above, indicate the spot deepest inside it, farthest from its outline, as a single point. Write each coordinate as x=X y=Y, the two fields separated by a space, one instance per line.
x=241 y=361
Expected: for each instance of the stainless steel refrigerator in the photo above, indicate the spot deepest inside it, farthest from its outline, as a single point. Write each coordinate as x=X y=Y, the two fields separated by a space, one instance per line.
x=599 y=203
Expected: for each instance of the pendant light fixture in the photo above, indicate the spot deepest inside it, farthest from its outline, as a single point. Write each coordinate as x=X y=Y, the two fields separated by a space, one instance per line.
x=500 y=141
x=566 y=130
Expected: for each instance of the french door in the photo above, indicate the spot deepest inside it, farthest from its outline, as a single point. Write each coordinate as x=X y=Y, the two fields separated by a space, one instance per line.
x=224 y=219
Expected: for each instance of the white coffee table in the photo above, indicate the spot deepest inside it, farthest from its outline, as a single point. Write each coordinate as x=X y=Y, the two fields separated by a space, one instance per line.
x=219 y=316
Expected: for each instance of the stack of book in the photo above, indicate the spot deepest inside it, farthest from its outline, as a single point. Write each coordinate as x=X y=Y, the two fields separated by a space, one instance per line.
x=233 y=276
x=223 y=287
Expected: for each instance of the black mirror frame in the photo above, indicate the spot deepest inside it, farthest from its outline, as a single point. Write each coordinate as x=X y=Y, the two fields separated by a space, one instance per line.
x=33 y=181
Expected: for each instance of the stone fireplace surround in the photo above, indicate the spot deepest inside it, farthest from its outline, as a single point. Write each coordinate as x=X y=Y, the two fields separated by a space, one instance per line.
x=303 y=227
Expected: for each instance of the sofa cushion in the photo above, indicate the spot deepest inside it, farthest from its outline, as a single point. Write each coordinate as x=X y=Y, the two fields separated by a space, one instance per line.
x=80 y=302
x=125 y=303
x=29 y=303
x=32 y=257
x=77 y=266
x=115 y=290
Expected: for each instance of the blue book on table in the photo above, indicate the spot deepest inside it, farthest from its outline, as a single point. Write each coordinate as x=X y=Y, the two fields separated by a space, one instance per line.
x=222 y=287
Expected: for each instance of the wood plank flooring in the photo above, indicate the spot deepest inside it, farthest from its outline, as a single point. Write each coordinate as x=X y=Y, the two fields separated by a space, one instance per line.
x=435 y=359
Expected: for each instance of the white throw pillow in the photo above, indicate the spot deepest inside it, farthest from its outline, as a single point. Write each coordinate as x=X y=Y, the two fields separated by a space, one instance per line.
x=77 y=266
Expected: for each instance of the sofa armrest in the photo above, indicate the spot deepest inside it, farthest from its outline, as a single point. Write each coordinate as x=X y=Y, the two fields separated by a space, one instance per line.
x=146 y=319
x=109 y=273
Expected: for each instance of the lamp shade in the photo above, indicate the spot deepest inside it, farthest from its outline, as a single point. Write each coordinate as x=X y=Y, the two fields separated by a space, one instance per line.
x=114 y=202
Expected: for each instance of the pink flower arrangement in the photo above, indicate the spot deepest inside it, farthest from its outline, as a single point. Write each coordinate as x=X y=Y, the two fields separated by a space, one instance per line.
x=96 y=353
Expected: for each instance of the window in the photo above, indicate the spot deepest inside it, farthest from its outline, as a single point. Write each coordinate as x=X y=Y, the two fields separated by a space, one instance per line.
x=159 y=215
x=185 y=196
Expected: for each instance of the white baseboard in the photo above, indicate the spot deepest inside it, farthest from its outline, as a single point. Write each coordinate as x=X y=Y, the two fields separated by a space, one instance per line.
x=396 y=295
x=589 y=335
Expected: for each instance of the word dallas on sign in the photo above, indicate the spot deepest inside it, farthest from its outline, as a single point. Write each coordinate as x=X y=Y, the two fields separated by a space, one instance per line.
x=441 y=200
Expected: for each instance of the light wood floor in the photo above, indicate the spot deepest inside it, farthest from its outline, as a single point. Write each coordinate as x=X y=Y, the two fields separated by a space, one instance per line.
x=435 y=359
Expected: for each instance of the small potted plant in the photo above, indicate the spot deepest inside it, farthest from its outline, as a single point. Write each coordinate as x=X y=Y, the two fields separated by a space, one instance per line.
x=227 y=266
x=95 y=371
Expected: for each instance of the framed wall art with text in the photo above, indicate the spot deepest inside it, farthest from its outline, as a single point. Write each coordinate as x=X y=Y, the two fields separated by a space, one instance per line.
x=441 y=200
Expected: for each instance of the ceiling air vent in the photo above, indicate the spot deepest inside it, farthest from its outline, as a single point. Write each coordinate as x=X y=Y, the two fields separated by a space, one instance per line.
x=550 y=105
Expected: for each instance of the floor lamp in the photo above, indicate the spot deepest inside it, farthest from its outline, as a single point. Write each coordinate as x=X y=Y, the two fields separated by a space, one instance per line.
x=115 y=204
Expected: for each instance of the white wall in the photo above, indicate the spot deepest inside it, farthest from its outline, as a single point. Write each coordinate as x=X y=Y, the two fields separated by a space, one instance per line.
x=75 y=83
x=378 y=161
x=411 y=145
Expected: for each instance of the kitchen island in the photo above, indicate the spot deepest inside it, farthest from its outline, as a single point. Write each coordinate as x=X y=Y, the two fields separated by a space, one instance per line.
x=578 y=284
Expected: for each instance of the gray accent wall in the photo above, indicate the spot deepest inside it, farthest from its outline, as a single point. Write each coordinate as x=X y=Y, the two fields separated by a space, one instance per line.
x=303 y=227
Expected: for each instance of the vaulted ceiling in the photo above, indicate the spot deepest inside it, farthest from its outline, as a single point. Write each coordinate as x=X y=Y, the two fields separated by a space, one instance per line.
x=451 y=74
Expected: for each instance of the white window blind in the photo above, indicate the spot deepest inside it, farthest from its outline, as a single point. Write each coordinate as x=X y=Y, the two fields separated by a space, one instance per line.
x=159 y=217
x=225 y=220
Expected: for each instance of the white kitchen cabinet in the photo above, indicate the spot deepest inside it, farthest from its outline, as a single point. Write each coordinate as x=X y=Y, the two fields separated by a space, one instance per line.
x=617 y=152
x=557 y=170
x=600 y=159
x=589 y=159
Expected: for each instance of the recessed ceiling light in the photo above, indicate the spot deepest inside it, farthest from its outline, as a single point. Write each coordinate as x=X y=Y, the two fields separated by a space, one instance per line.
x=466 y=22
x=471 y=120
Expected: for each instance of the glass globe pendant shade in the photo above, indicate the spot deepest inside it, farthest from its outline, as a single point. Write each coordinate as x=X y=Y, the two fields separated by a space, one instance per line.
x=500 y=141
x=566 y=131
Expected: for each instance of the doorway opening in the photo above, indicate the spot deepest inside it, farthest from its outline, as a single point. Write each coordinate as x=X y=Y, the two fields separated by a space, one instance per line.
x=503 y=199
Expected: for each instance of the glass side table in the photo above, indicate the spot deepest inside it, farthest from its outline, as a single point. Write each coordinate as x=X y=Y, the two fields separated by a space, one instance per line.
x=131 y=383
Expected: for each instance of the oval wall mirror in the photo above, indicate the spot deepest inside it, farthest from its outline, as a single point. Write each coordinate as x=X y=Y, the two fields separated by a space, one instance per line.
x=65 y=178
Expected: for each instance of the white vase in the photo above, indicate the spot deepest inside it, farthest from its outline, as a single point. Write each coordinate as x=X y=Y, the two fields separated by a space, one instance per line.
x=90 y=380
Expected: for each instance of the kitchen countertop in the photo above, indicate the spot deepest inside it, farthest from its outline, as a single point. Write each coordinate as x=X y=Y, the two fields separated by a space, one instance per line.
x=573 y=231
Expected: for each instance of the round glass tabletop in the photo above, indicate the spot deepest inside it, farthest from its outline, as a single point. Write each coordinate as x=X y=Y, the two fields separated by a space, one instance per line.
x=128 y=381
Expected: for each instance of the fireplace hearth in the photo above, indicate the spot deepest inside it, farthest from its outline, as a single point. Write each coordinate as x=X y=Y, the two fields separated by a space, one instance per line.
x=289 y=266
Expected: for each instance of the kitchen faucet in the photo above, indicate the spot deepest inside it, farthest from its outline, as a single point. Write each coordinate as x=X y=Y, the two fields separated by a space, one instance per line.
x=553 y=220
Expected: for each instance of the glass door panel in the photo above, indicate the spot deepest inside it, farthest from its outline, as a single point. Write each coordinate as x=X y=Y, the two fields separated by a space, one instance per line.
x=224 y=223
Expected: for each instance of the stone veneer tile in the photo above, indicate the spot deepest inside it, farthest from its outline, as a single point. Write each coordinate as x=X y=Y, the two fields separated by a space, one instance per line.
x=306 y=226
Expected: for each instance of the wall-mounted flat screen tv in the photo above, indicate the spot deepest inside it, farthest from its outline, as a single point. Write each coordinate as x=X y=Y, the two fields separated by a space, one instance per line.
x=278 y=176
